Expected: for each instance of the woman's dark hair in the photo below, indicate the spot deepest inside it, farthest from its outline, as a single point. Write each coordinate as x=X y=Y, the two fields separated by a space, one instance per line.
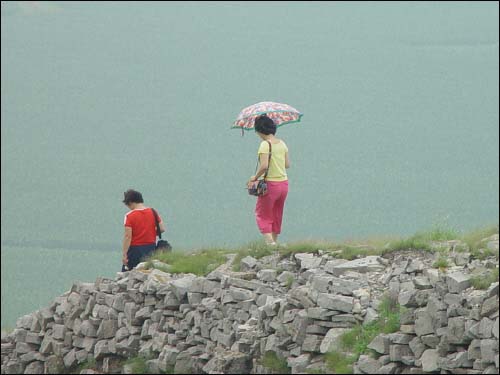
x=265 y=125
x=132 y=196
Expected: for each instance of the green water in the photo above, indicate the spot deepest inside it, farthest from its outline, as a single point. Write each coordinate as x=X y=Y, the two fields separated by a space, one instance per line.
x=400 y=126
x=33 y=277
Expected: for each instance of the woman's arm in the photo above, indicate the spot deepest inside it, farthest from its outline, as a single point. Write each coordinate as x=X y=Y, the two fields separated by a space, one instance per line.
x=162 y=226
x=127 y=239
x=263 y=164
x=287 y=161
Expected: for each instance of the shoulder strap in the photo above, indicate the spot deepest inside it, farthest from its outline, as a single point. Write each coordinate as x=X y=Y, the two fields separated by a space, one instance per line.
x=158 y=232
x=268 y=161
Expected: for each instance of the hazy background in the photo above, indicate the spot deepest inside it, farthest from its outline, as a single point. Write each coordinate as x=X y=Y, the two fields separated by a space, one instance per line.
x=400 y=126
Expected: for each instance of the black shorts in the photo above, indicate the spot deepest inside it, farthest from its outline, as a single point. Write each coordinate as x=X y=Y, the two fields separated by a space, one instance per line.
x=137 y=254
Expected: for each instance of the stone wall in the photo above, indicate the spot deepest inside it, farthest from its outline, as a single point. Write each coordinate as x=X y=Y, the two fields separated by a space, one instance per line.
x=297 y=307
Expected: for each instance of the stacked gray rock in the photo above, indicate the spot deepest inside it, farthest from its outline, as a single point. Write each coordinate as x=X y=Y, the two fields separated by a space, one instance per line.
x=446 y=326
x=297 y=307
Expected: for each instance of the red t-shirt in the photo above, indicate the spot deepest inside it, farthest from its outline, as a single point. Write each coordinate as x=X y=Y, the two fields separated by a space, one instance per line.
x=142 y=222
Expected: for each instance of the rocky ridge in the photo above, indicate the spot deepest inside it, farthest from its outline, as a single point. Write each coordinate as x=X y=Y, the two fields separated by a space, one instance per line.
x=297 y=307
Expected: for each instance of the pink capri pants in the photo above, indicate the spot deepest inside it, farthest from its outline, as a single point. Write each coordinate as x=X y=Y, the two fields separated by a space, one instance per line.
x=269 y=208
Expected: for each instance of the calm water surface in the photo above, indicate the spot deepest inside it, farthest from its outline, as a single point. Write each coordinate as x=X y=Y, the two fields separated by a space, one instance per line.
x=400 y=128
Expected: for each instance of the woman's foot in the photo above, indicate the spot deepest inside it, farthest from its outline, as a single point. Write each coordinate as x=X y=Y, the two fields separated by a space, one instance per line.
x=268 y=239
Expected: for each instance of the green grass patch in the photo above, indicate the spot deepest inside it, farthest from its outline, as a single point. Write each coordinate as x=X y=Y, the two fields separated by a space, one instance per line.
x=473 y=238
x=348 y=250
x=353 y=249
x=289 y=281
x=357 y=339
x=351 y=252
x=272 y=361
x=422 y=240
x=441 y=263
x=307 y=246
x=138 y=365
x=280 y=270
x=199 y=262
x=315 y=371
x=255 y=249
x=339 y=363
x=438 y=233
x=412 y=243
x=483 y=253
x=484 y=281
x=90 y=364
x=389 y=314
x=203 y=261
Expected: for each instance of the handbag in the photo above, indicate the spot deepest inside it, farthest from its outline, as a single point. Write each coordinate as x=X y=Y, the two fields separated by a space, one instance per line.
x=259 y=188
x=161 y=245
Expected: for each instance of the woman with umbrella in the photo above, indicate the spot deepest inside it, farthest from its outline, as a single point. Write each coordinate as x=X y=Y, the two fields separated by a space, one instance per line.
x=273 y=158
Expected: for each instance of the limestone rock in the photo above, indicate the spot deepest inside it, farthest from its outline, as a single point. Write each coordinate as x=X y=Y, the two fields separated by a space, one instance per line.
x=239 y=294
x=227 y=362
x=457 y=282
x=456 y=330
x=267 y=275
x=285 y=276
x=181 y=286
x=430 y=360
x=380 y=344
x=36 y=367
x=101 y=349
x=417 y=347
x=331 y=264
x=454 y=361
x=107 y=329
x=308 y=260
x=368 y=264
x=300 y=363
x=248 y=263
x=474 y=351
x=338 y=303
x=423 y=324
x=489 y=350
x=331 y=340
x=312 y=343
x=397 y=352
x=489 y=306
x=368 y=365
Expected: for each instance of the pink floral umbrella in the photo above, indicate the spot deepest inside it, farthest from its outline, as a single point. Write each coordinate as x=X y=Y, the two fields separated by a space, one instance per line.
x=280 y=113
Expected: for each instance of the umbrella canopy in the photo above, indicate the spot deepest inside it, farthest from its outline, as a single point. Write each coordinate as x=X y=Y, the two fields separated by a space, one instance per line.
x=280 y=113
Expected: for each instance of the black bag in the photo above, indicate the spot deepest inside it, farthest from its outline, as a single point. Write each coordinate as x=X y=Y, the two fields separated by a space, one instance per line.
x=259 y=188
x=161 y=245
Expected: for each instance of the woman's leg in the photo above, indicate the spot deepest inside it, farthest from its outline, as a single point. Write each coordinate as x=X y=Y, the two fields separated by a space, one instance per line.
x=133 y=257
x=146 y=252
x=264 y=215
x=278 y=208
x=138 y=254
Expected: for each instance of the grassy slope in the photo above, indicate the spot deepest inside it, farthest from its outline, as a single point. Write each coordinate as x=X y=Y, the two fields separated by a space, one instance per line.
x=203 y=261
